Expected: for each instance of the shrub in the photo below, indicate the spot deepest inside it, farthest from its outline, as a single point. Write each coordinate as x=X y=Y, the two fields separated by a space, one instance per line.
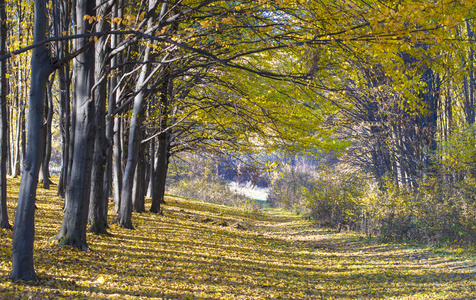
x=288 y=186
x=334 y=199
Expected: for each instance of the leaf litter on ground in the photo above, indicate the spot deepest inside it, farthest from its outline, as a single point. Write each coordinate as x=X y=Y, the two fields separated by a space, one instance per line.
x=197 y=250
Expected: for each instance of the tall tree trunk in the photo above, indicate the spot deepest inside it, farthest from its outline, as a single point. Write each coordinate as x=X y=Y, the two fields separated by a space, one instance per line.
x=24 y=227
x=9 y=153
x=62 y=48
x=113 y=131
x=125 y=211
x=98 y=202
x=3 y=121
x=45 y=167
x=73 y=229
x=72 y=127
x=117 y=164
x=19 y=123
x=65 y=115
x=162 y=159
x=138 y=190
x=150 y=188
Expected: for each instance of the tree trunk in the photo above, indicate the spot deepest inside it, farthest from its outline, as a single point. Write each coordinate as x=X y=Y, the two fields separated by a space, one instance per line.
x=8 y=139
x=24 y=227
x=65 y=115
x=125 y=211
x=117 y=164
x=114 y=133
x=98 y=203
x=150 y=188
x=3 y=121
x=45 y=167
x=162 y=158
x=62 y=21
x=73 y=229
x=138 y=192
x=158 y=196
x=19 y=123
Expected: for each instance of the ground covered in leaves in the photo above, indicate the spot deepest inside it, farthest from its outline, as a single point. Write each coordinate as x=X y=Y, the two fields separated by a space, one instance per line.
x=202 y=251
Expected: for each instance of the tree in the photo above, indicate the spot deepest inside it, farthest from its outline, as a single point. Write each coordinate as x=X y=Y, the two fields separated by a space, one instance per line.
x=24 y=229
x=125 y=210
x=3 y=120
x=98 y=198
x=73 y=229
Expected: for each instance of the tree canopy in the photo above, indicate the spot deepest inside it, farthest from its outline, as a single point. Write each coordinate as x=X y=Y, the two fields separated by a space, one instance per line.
x=386 y=86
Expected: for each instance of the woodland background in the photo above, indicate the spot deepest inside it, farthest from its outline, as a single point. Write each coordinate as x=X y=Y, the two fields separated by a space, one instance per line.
x=356 y=114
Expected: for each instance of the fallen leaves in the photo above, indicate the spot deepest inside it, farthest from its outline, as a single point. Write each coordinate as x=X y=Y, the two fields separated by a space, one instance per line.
x=276 y=255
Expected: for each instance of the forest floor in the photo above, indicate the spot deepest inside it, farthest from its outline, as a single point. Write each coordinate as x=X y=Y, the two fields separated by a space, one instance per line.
x=203 y=251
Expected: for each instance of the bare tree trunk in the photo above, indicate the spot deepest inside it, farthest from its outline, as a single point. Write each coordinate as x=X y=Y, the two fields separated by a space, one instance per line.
x=162 y=159
x=117 y=164
x=24 y=227
x=45 y=168
x=150 y=188
x=125 y=211
x=160 y=175
x=65 y=115
x=19 y=123
x=114 y=132
x=98 y=202
x=9 y=153
x=138 y=192
x=73 y=229
x=3 y=121
x=62 y=48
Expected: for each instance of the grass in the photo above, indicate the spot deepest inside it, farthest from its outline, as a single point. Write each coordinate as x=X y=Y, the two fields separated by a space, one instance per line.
x=193 y=251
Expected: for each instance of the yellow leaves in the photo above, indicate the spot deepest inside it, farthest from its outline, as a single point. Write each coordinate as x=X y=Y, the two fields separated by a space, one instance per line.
x=116 y=20
x=204 y=24
x=229 y=20
x=89 y=18
x=279 y=256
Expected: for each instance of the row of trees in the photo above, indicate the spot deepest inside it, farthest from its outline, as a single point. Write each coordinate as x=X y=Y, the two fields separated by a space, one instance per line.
x=134 y=83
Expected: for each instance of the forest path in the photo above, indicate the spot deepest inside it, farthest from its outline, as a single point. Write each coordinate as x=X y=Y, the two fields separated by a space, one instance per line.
x=358 y=267
x=197 y=250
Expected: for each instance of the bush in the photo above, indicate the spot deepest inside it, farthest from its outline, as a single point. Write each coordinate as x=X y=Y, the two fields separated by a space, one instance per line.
x=335 y=199
x=434 y=212
x=288 y=186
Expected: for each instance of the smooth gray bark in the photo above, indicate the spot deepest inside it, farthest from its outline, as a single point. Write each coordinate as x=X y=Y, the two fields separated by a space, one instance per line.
x=45 y=167
x=73 y=229
x=62 y=23
x=138 y=191
x=65 y=122
x=117 y=164
x=162 y=159
x=98 y=202
x=114 y=133
x=3 y=121
x=19 y=124
x=24 y=227
x=150 y=186
x=125 y=210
